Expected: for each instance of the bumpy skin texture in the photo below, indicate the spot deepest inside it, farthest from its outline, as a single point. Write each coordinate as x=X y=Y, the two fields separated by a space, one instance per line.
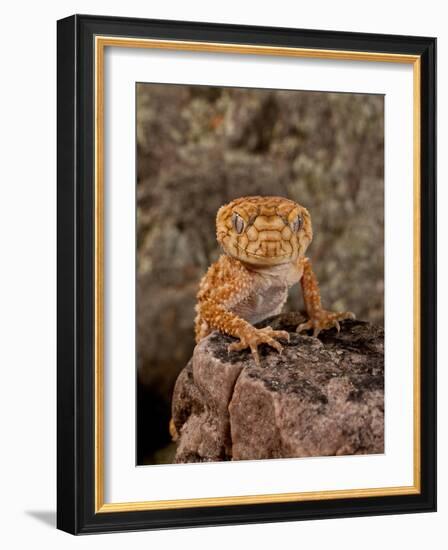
x=264 y=240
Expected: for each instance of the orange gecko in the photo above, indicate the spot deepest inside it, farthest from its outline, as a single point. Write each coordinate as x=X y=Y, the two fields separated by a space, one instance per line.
x=264 y=240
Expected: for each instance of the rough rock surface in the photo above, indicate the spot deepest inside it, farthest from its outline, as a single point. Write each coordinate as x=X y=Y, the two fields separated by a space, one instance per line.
x=322 y=396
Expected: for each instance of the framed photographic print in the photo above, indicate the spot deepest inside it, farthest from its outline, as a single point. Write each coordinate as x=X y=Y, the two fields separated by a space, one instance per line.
x=246 y=274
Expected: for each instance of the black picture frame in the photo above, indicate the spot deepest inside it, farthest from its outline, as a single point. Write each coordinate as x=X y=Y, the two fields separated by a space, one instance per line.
x=76 y=252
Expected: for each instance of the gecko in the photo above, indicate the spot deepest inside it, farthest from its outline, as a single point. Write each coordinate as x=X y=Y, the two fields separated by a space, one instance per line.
x=264 y=240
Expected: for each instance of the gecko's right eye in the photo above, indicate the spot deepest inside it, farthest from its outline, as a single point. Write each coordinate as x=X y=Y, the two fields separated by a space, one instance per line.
x=238 y=223
x=296 y=224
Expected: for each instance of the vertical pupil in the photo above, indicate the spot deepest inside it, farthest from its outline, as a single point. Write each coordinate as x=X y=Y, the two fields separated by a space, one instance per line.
x=296 y=224
x=238 y=223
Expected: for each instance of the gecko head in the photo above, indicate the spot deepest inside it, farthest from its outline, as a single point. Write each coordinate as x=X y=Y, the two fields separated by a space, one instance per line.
x=264 y=231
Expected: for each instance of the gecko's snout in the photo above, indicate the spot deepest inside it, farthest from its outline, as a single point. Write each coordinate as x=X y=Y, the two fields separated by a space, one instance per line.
x=272 y=248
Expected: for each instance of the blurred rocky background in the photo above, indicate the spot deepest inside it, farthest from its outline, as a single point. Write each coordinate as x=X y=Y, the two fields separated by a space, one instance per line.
x=199 y=147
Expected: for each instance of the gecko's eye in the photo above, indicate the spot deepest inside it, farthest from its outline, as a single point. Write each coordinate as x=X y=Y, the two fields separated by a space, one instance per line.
x=237 y=222
x=296 y=224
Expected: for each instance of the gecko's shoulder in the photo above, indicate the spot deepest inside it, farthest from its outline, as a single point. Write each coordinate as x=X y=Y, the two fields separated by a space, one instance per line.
x=225 y=273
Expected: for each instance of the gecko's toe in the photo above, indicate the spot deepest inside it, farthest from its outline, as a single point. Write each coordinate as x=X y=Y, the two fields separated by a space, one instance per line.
x=304 y=326
x=236 y=346
x=274 y=344
x=282 y=334
x=254 y=351
x=342 y=317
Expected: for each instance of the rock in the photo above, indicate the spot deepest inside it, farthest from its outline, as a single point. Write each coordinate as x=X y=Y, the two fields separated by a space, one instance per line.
x=321 y=397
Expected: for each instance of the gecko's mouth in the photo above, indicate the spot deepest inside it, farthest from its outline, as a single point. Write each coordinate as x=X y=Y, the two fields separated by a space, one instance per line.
x=264 y=256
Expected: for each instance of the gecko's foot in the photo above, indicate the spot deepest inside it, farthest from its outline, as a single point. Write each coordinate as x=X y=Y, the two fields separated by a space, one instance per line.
x=324 y=320
x=254 y=337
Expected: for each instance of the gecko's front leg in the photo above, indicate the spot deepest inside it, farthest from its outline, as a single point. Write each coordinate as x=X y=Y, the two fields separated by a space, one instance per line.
x=249 y=337
x=319 y=318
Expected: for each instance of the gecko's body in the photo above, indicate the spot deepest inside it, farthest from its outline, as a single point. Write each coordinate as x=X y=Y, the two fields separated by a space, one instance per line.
x=264 y=240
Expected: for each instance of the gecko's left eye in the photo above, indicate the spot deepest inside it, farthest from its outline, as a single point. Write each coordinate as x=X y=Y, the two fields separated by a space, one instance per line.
x=296 y=224
x=238 y=223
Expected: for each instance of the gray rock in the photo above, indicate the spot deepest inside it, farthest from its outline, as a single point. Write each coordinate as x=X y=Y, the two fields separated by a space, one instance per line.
x=321 y=397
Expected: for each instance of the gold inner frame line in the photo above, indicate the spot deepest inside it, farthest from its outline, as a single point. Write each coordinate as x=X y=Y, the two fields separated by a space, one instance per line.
x=101 y=42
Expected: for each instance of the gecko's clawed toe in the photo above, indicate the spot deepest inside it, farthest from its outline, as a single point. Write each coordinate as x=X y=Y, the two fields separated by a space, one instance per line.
x=304 y=326
x=236 y=346
x=256 y=357
x=324 y=320
x=255 y=337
